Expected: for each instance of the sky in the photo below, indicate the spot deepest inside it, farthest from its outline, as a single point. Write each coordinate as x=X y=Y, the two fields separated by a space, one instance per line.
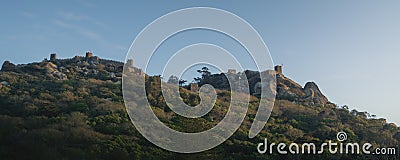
x=351 y=49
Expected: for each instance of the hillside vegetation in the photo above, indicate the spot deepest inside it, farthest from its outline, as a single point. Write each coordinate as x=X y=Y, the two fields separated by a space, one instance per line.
x=80 y=114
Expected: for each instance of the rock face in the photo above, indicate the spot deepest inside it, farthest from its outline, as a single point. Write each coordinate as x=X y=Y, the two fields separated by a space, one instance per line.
x=309 y=95
x=286 y=89
x=92 y=66
x=7 y=66
x=88 y=66
x=314 y=94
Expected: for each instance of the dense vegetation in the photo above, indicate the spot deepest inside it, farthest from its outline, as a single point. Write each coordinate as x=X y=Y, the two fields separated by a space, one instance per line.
x=85 y=118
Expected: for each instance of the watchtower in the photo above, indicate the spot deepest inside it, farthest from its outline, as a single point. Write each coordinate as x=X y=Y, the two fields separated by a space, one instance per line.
x=129 y=63
x=89 y=55
x=278 y=69
x=232 y=71
x=53 y=57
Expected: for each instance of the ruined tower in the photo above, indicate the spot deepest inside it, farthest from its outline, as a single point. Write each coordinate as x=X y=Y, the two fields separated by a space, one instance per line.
x=278 y=69
x=53 y=57
x=129 y=63
x=232 y=71
x=89 y=55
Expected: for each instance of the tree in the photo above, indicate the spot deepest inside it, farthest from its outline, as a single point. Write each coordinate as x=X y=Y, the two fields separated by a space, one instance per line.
x=204 y=72
x=197 y=79
x=181 y=82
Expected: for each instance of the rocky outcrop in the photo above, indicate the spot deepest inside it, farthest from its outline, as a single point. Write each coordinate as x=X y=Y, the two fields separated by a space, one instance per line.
x=312 y=93
x=8 y=66
x=286 y=89
x=94 y=67
x=53 y=71
x=309 y=95
x=88 y=66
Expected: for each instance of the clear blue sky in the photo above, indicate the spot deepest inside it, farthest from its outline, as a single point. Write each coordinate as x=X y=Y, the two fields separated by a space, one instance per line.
x=351 y=49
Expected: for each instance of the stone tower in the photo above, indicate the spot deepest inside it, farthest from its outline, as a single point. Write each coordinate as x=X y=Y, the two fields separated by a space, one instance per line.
x=278 y=69
x=89 y=55
x=129 y=63
x=232 y=71
x=53 y=57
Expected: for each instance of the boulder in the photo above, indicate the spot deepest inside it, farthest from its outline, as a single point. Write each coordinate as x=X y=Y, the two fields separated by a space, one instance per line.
x=313 y=93
x=8 y=66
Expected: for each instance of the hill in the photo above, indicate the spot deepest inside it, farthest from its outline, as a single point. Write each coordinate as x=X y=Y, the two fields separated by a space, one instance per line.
x=73 y=109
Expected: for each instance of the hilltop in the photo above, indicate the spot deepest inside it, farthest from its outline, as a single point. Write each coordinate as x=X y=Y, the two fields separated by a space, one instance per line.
x=73 y=109
x=90 y=66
